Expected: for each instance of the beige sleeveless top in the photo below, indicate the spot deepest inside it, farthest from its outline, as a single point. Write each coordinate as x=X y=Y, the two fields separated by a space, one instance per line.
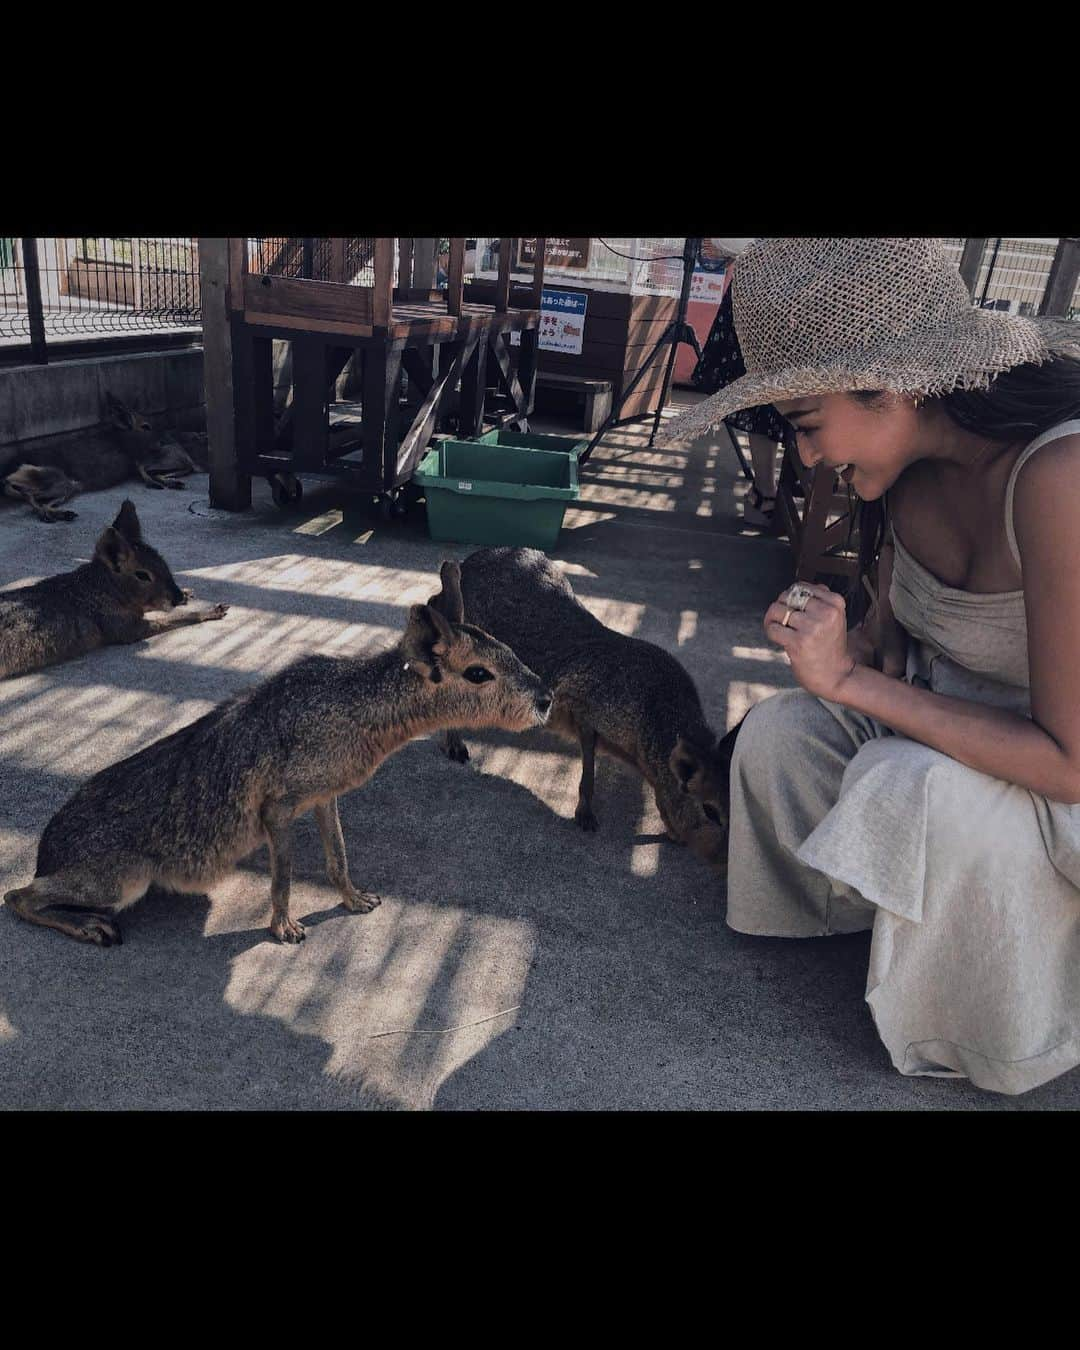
x=967 y=644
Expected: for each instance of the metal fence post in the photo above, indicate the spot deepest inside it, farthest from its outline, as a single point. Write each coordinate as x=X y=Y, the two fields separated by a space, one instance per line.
x=970 y=260
x=1061 y=283
x=989 y=273
x=35 y=314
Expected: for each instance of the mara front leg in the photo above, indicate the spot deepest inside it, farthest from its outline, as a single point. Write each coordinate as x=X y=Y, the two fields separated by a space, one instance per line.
x=584 y=813
x=148 y=628
x=277 y=822
x=337 y=863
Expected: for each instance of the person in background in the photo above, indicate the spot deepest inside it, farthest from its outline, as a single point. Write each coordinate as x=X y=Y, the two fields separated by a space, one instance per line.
x=721 y=362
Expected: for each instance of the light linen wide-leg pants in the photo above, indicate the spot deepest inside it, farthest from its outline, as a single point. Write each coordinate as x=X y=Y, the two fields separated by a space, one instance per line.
x=837 y=825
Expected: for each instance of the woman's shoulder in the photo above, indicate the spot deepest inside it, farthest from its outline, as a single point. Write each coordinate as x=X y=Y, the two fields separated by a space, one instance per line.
x=1045 y=497
x=1044 y=466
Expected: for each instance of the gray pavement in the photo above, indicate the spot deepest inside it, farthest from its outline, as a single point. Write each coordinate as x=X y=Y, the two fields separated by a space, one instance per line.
x=515 y=962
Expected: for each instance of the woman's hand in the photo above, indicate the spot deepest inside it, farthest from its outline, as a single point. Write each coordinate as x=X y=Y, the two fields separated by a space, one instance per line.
x=815 y=639
x=880 y=644
x=861 y=646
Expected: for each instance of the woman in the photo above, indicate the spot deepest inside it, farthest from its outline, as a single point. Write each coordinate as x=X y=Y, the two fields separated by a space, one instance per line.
x=721 y=362
x=941 y=808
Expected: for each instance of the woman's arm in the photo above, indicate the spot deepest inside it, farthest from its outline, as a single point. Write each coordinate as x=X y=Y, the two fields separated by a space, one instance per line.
x=1041 y=753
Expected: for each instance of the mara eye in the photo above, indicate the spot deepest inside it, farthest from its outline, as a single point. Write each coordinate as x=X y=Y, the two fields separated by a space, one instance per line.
x=478 y=675
x=712 y=813
x=143 y=576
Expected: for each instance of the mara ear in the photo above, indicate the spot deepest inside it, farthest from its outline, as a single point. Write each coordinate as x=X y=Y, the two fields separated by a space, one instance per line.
x=114 y=550
x=118 y=413
x=427 y=637
x=451 y=602
x=127 y=523
x=685 y=762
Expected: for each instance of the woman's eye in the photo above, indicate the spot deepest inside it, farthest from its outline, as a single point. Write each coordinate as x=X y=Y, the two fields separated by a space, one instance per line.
x=478 y=675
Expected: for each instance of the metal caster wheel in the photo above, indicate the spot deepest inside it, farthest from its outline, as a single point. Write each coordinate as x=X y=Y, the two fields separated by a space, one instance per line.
x=287 y=490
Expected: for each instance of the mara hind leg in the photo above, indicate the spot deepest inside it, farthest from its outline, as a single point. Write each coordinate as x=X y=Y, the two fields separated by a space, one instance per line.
x=71 y=902
x=337 y=863
x=147 y=477
x=43 y=490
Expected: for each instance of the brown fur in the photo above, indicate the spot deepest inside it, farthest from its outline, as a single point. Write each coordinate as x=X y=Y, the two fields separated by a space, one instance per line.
x=622 y=695
x=126 y=446
x=184 y=811
x=103 y=602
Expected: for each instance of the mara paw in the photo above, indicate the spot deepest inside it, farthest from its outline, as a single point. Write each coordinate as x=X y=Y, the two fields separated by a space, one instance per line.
x=215 y=612
x=456 y=750
x=102 y=931
x=360 y=902
x=286 y=929
x=585 y=820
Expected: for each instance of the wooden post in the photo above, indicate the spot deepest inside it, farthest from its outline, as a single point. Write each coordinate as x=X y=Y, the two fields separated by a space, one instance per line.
x=538 y=273
x=310 y=420
x=230 y=489
x=382 y=374
x=1061 y=283
x=237 y=271
x=456 y=276
x=502 y=286
x=405 y=263
x=424 y=264
x=970 y=261
x=473 y=389
x=337 y=260
x=382 y=301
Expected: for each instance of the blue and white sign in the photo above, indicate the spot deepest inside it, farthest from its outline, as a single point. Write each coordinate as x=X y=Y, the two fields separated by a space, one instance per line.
x=562 y=321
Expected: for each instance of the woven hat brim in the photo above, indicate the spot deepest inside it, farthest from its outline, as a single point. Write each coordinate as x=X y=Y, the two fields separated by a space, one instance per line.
x=967 y=356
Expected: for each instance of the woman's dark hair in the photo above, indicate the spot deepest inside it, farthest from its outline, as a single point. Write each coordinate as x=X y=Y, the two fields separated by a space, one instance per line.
x=1020 y=402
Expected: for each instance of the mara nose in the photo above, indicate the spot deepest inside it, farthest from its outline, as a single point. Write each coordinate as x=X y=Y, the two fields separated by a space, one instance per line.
x=179 y=597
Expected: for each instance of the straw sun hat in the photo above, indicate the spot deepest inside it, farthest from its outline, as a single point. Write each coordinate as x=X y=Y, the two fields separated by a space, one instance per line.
x=823 y=316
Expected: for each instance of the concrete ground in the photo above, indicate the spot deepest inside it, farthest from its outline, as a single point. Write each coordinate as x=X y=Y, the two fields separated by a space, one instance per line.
x=515 y=962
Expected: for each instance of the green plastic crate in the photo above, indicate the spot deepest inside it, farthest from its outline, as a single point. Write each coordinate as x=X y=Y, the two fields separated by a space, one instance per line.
x=506 y=487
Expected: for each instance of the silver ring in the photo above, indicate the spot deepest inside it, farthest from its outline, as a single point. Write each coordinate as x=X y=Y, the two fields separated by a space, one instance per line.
x=798 y=596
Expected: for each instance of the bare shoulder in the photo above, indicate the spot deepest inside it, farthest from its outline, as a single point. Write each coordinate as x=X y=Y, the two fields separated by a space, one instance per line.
x=1048 y=485
x=1046 y=507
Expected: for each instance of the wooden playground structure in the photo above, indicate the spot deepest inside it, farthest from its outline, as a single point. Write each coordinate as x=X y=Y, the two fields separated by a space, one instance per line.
x=419 y=355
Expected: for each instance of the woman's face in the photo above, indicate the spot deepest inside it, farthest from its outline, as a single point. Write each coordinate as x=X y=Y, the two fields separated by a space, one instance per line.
x=876 y=441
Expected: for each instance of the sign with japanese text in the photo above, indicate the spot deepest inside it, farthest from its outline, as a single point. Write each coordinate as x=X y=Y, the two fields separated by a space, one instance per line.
x=707 y=285
x=557 y=252
x=562 y=321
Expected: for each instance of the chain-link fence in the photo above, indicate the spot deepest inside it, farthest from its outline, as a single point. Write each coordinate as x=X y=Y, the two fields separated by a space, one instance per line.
x=59 y=289
x=642 y=266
